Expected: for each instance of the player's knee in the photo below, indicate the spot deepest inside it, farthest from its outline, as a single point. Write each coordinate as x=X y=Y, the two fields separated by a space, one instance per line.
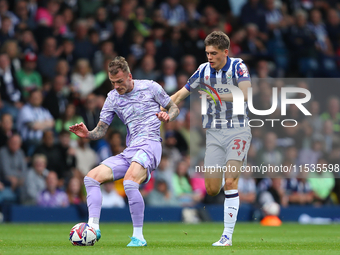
x=212 y=191
x=94 y=175
x=230 y=184
x=101 y=174
x=134 y=178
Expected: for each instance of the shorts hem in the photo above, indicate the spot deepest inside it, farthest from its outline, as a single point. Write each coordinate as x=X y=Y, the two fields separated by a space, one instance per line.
x=111 y=170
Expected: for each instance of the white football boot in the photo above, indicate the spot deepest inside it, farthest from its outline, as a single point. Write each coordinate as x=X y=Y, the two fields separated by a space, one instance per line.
x=224 y=241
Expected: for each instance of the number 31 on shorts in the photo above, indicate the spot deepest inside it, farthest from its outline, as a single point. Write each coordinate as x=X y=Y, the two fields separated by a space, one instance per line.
x=238 y=143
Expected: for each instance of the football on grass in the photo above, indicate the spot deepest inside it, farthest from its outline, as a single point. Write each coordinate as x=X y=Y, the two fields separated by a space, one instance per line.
x=83 y=234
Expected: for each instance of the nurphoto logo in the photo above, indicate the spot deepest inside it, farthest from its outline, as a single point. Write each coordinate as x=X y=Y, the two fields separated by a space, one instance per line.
x=238 y=103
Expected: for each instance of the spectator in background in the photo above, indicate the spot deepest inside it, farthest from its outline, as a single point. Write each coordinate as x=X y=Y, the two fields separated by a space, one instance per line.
x=62 y=68
x=11 y=48
x=188 y=65
x=55 y=100
x=4 y=11
x=28 y=78
x=333 y=113
x=52 y=153
x=136 y=47
x=161 y=196
x=147 y=69
x=173 y=47
x=333 y=27
x=323 y=44
x=35 y=179
x=68 y=159
x=59 y=30
x=22 y=12
x=52 y=196
x=169 y=148
x=321 y=183
x=329 y=137
x=275 y=193
x=47 y=60
x=69 y=20
x=102 y=82
x=85 y=156
x=68 y=119
x=74 y=192
x=142 y=23
x=111 y=198
x=300 y=42
x=315 y=120
x=253 y=12
x=120 y=37
x=90 y=112
x=273 y=16
x=182 y=188
x=5 y=107
x=312 y=155
x=169 y=75
x=111 y=147
x=82 y=79
x=270 y=155
x=33 y=120
x=6 y=32
x=68 y=51
x=27 y=42
x=173 y=12
x=212 y=20
x=298 y=189
x=253 y=45
x=164 y=172
x=13 y=165
x=102 y=25
x=291 y=155
x=6 y=128
x=9 y=88
x=105 y=51
x=247 y=188
x=46 y=14
x=193 y=43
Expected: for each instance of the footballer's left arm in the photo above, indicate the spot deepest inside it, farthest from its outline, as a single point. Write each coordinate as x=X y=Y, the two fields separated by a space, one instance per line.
x=173 y=110
x=244 y=85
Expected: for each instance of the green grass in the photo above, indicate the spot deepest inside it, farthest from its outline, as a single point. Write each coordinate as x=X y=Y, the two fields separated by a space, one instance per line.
x=185 y=239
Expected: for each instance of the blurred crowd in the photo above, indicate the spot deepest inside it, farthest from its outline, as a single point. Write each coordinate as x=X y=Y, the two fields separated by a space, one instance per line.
x=53 y=73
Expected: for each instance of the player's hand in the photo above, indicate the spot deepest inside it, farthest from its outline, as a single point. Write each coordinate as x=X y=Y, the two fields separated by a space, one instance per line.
x=204 y=93
x=163 y=116
x=80 y=130
x=163 y=109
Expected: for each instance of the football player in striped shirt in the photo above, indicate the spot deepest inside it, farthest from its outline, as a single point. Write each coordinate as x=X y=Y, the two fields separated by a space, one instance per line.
x=228 y=136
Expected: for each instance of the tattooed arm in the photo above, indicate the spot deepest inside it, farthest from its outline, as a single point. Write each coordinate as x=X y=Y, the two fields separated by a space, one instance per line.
x=97 y=133
x=173 y=110
x=172 y=113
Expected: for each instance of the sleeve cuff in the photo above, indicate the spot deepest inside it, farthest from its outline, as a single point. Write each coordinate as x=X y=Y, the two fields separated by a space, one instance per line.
x=187 y=86
x=243 y=79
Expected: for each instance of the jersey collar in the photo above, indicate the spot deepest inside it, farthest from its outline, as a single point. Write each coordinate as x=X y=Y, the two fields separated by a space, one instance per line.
x=225 y=68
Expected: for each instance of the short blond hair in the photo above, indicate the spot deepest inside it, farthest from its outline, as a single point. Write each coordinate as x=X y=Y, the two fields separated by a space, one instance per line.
x=118 y=63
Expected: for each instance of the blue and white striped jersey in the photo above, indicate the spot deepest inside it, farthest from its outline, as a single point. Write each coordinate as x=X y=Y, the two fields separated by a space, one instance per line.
x=221 y=116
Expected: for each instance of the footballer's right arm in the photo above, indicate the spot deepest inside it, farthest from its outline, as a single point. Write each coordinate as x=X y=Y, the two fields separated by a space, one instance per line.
x=97 y=133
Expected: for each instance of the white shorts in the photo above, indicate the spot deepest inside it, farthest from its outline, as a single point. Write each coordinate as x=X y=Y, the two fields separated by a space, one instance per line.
x=223 y=145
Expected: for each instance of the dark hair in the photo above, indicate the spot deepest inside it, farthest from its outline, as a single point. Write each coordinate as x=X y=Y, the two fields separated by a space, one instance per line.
x=217 y=39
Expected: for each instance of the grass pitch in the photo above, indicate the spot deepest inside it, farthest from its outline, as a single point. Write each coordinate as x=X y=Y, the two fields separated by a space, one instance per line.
x=176 y=238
